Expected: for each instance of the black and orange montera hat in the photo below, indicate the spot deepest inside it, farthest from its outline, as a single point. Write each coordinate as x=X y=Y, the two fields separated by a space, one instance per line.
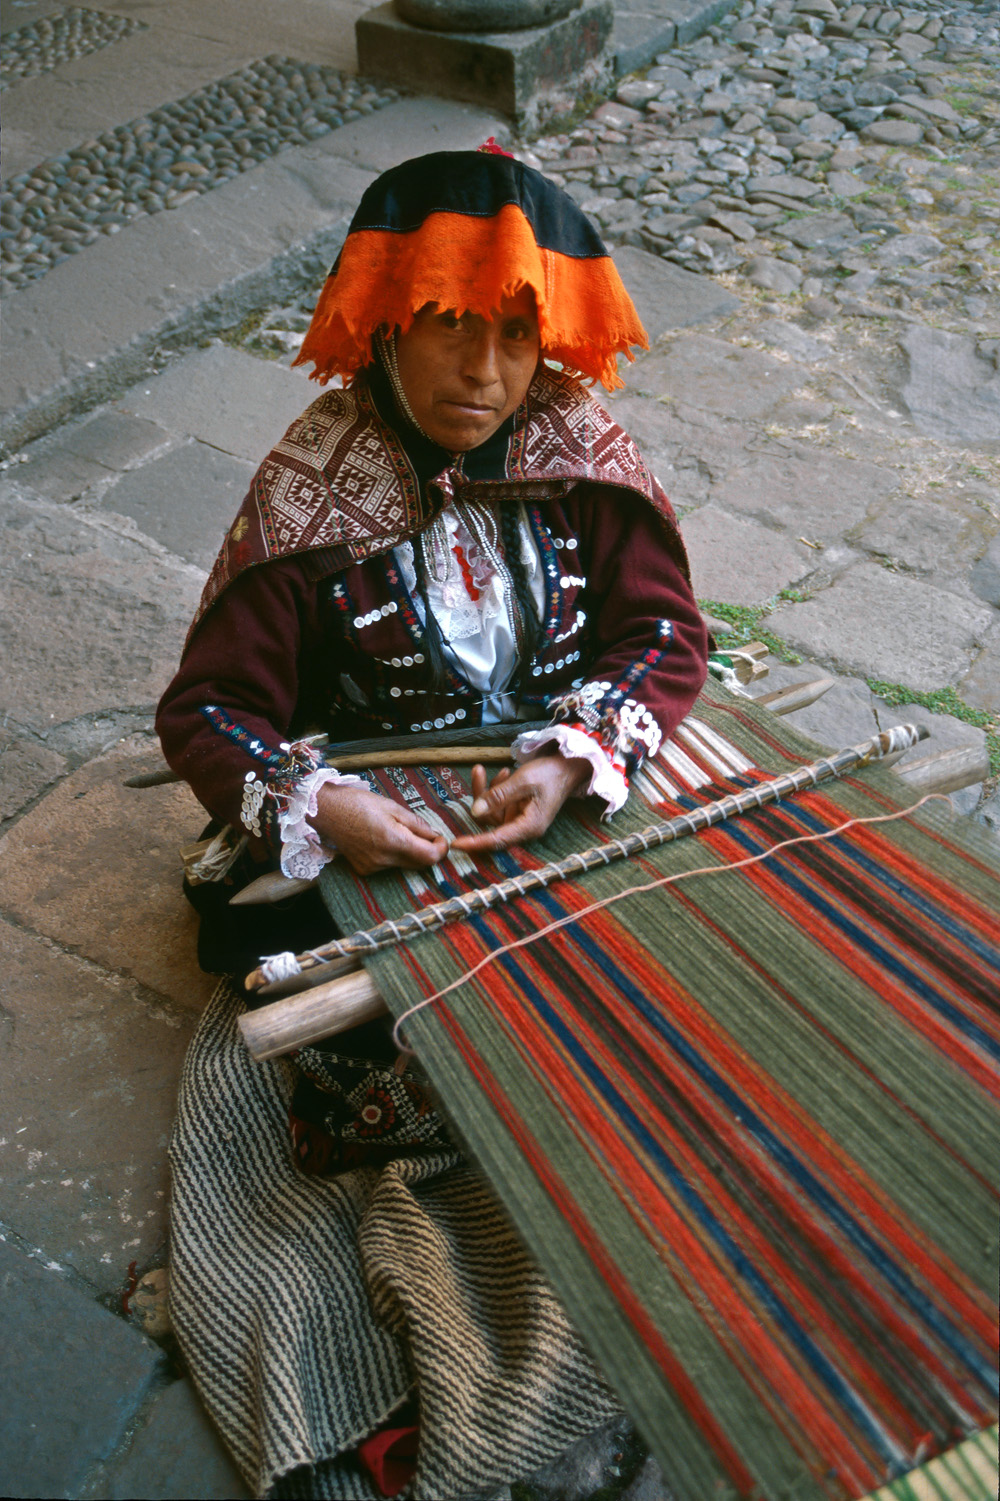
x=463 y=230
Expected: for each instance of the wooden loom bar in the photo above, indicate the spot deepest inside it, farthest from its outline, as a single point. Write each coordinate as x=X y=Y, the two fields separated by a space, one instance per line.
x=311 y=1015
x=342 y=1002
x=427 y=919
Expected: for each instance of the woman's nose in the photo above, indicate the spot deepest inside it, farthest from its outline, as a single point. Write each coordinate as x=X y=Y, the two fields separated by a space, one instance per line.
x=482 y=363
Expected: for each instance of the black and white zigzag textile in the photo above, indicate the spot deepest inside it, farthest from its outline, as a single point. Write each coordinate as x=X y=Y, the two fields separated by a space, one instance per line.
x=310 y=1308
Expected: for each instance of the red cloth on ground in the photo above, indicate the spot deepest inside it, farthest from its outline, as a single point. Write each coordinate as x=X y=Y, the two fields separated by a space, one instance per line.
x=390 y=1458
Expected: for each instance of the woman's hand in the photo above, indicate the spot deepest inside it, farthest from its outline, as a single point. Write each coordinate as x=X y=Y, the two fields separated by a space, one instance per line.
x=521 y=804
x=374 y=833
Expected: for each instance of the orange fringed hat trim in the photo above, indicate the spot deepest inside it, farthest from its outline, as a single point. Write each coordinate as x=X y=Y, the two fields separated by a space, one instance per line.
x=469 y=263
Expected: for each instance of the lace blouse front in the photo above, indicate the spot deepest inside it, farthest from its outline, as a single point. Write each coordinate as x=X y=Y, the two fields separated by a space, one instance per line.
x=470 y=592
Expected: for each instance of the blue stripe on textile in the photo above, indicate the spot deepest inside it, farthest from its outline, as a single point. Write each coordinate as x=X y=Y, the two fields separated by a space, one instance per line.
x=968 y=937
x=872 y=946
x=797 y=1170
x=802 y=1175
x=817 y=1360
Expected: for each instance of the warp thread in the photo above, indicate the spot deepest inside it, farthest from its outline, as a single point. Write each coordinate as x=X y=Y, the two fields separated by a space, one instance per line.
x=286 y=965
x=683 y=875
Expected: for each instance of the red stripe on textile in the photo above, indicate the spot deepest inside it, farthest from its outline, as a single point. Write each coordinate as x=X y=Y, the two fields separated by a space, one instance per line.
x=708 y=1170
x=627 y=1299
x=760 y=1088
x=807 y=1400
x=544 y=1061
x=874 y=975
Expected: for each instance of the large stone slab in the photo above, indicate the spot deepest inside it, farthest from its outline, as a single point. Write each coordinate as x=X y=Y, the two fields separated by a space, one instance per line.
x=715 y=376
x=667 y=297
x=26 y=769
x=87 y=455
x=952 y=386
x=88 y=1090
x=91 y=618
x=73 y=1378
x=96 y=866
x=879 y=624
x=942 y=538
x=850 y=712
x=176 y=1452
x=675 y=450
x=186 y=500
x=981 y=686
x=985 y=575
x=805 y=489
x=740 y=561
x=227 y=398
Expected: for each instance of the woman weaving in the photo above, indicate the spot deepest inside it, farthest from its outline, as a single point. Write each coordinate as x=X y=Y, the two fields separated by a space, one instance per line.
x=460 y=536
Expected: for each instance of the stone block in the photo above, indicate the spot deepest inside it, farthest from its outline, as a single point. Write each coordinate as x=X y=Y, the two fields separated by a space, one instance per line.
x=176 y=1452
x=715 y=376
x=772 y=275
x=845 y=184
x=62 y=476
x=26 y=769
x=410 y=128
x=664 y=445
x=73 y=1378
x=226 y=398
x=88 y=1089
x=115 y=440
x=96 y=866
x=666 y=297
x=794 y=341
x=850 y=712
x=740 y=561
x=91 y=619
x=513 y=72
x=821 y=230
x=637 y=38
x=952 y=387
x=908 y=250
x=878 y=624
x=942 y=539
x=845 y=715
x=186 y=500
x=985 y=575
x=892 y=132
x=804 y=490
x=981 y=686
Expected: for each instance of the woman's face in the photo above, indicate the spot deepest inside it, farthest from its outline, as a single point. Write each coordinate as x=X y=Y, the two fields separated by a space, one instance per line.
x=464 y=375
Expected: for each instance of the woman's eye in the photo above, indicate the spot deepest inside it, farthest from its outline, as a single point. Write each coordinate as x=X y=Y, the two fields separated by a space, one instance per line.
x=517 y=332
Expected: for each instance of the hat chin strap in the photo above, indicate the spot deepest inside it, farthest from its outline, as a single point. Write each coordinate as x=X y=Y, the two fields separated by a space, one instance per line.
x=385 y=345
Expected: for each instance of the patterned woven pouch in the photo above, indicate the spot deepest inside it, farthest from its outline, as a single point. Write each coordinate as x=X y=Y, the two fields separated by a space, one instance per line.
x=351 y=1112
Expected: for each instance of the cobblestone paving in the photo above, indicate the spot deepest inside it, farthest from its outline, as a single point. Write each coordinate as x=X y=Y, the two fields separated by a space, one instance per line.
x=73 y=32
x=169 y=156
x=815 y=148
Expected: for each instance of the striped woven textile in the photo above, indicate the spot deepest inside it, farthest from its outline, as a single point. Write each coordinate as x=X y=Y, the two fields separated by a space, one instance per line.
x=748 y=1123
x=307 y=1308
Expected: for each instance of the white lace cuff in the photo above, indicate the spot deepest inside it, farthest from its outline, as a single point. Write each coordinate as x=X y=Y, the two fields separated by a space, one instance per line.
x=606 y=780
x=303 y=855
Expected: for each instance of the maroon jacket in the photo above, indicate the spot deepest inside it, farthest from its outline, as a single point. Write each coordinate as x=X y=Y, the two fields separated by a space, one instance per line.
x=306 y=623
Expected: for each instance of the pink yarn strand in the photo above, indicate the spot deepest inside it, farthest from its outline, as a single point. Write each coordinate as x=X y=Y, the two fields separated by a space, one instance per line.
x=682 y=875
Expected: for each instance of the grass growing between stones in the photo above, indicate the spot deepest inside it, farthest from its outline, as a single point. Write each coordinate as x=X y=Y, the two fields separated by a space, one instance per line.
x=944 y=701
x=743 y=626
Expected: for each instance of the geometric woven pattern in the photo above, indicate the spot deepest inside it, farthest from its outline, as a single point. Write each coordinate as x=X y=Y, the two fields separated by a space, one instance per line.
x=747 y=1123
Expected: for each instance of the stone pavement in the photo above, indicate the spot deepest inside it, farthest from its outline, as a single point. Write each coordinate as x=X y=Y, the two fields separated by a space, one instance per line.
x=822 y=405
